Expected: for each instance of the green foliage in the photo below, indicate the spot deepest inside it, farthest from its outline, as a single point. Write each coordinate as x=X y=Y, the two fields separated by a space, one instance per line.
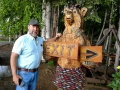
x=115 y=85
x=95 y=14
x=93 y=17
x=106 y=3
x=50 y=63
x=15 y=15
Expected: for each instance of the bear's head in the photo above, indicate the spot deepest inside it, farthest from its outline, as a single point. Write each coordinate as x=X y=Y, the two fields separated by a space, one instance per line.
x=74 y=15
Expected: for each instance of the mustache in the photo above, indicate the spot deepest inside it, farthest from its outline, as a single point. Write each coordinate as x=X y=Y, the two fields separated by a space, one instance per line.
x=31 y=33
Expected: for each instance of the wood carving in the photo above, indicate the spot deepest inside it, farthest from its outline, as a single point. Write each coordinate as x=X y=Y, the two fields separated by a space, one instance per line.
x=69 y=74
x=74 y=33
x=61 y=49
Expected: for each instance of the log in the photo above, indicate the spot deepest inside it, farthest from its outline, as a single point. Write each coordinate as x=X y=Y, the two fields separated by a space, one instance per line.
x=5 y=52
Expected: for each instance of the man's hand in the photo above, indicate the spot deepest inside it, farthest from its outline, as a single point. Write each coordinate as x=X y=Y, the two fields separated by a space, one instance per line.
x=58 y=35
x=16 y=79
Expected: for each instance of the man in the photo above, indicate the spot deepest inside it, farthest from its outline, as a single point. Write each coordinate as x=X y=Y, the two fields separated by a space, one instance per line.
x=25 y=57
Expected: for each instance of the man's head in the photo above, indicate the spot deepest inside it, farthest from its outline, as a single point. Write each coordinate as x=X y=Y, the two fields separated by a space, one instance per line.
x=33 y=27
x=34 y=22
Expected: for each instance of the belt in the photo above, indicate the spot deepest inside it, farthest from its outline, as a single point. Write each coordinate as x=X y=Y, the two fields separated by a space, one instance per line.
x=28 y=70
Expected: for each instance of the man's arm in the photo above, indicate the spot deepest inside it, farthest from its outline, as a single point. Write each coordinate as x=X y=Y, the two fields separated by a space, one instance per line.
x=13 y=61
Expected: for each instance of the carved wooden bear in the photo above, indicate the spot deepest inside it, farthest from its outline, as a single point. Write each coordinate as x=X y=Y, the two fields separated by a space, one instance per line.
x=74 y=33
x=69 y=74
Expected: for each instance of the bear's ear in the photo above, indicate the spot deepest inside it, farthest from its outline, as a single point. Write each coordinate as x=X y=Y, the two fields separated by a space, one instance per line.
x=65 y=9
x=83 y=11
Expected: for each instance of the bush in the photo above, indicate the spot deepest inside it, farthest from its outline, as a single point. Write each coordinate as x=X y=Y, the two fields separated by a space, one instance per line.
x=115 y=84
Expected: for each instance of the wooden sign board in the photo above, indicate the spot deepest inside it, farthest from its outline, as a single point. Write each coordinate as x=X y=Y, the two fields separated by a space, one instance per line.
x=61 y=49
x=72 y=51
x=91 y=53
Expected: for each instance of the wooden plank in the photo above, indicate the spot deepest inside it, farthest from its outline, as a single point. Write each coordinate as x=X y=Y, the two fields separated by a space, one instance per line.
x=91 y=53
x=94 y=80
x=61 y=49
x=73 y=51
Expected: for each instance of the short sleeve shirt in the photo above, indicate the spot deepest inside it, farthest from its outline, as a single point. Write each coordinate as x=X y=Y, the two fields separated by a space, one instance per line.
x=29 y=50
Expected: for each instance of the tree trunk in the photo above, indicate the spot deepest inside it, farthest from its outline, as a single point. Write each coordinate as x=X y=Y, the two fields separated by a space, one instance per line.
x=47 y=22
x=55 y=21
x=108 y=42
x=118 y=48
x=43 y=34
x=102 y=27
